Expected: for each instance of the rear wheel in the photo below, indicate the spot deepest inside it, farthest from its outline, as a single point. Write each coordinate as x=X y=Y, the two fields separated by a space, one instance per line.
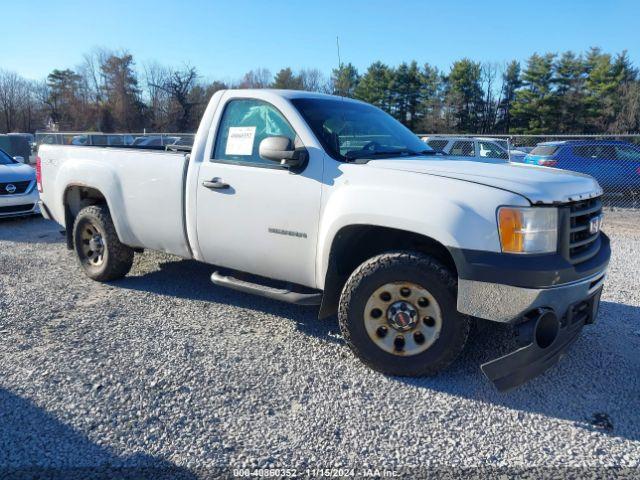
x=398 y=314
x=99 y=251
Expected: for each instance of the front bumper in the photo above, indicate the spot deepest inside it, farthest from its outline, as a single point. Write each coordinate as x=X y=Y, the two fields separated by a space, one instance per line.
x=503 y=288
x=18 y=205
x=507 y=304
x=518 y=291
x=518 y=367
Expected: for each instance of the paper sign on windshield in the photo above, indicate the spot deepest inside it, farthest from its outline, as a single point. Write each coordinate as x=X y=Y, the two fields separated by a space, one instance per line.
x=240 y=141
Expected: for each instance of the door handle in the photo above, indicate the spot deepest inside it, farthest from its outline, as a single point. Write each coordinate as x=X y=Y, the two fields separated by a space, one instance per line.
x=215 y=183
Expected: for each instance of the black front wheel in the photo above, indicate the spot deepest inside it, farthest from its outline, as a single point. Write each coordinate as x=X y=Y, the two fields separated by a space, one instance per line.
x=101 y=254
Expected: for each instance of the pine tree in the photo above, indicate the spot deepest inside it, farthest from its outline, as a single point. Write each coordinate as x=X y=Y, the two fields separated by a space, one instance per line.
x=375 y=86
x=345 y=80
x=464 y=95
x=535 y=105
x=286 y=79
x=570 y=79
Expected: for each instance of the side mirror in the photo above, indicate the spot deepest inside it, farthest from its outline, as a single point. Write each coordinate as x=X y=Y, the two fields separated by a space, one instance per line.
x=282 y=150
x=18 y=158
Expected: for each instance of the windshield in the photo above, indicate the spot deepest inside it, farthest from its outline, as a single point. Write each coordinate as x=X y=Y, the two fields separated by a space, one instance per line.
x=349 y=130
x=5 y=158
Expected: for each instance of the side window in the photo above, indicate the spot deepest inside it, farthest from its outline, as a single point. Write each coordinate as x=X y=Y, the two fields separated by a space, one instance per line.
x=600 y=152
x=489 y=150
x=245 y=123
x=463 y=148
x=627 y=153
x=437 y=144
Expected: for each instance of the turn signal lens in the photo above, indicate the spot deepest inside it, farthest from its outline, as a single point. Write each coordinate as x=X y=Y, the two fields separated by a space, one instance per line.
x=528 y=229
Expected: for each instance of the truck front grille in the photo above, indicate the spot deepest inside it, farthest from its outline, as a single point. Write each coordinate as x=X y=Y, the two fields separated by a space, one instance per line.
x=18 y=188
x=582 y=244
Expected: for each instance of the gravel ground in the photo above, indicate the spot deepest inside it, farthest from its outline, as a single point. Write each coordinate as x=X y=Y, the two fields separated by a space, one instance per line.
x=164 y=374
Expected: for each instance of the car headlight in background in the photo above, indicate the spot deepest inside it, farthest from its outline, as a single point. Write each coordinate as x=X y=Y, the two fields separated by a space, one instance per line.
x=528 y=229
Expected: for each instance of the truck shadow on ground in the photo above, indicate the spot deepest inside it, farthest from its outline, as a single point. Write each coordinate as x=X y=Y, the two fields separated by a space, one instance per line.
x=583 y=388
x=194 y=284
x=35 y=444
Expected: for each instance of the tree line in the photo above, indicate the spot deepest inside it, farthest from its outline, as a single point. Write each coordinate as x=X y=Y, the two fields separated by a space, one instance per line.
x=591 y=92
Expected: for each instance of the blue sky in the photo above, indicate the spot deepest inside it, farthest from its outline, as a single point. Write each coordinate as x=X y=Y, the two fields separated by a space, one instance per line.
x=224 y=39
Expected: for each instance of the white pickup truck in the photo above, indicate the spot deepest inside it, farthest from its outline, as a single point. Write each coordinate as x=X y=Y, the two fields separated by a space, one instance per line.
x=315 y=199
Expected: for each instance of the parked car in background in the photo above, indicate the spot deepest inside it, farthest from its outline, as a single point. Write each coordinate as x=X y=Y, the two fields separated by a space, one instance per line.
x=155 y=141
x=516 y=154
x=615 y=164
x=481 y=150
x=16 y=146
x=29 y=137
x=18 y=193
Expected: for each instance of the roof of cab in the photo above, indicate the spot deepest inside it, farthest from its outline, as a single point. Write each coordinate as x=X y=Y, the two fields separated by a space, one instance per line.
x=292 y=93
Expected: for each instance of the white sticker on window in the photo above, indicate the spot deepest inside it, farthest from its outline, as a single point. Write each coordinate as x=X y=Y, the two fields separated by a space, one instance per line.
x=240 y=141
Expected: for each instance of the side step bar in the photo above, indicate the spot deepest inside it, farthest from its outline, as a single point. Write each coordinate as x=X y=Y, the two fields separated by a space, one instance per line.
x=282 y=294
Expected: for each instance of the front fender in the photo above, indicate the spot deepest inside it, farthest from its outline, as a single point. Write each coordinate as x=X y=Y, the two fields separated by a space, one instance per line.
x=452 y=212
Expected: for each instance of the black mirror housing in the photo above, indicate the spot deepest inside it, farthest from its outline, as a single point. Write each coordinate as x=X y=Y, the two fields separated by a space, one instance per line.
x=282 y=150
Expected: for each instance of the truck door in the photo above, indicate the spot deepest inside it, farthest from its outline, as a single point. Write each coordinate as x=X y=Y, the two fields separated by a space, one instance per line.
x=255 y=215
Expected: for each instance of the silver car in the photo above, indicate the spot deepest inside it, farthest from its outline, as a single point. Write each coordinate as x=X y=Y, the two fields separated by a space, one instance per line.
x=18 y=192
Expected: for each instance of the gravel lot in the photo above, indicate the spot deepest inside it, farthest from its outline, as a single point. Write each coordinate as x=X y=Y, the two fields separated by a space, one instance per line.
x=164 y=374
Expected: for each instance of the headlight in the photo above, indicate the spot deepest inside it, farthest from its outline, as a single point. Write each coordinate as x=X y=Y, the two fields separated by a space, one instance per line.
x=528 y=229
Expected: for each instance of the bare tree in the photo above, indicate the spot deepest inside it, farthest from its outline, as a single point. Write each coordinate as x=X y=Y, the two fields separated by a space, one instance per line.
x=259 y=78
x=158 y=99
x=178 y=85
x=489 y=72
x=313 y=80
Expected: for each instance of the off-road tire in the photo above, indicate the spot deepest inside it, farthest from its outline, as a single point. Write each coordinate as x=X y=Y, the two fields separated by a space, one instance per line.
x=402 y=266
x=118 y=258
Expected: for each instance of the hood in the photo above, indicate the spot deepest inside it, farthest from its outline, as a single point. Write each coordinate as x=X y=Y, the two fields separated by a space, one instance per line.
x=537 y=184
x=16 y=172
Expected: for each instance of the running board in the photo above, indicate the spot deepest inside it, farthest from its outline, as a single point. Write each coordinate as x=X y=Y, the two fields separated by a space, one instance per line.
x=282 y=294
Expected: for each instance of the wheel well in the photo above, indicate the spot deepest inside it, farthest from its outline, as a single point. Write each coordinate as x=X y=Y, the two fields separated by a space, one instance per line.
x=354 y=244
x=77 y=197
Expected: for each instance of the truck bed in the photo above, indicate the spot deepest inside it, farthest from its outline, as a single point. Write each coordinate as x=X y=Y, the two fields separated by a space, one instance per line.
x=145 y=187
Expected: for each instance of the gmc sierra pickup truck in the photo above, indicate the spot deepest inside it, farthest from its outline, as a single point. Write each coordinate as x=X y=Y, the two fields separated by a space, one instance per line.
x=316 y=199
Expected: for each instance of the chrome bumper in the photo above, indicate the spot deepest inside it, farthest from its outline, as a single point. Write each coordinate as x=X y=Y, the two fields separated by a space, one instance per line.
x=507 y=304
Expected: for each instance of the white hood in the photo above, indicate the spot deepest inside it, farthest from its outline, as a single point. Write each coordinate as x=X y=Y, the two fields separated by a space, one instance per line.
x=537 y=184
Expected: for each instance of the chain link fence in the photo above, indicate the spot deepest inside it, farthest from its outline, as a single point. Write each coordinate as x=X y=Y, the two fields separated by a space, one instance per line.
x=144 y=139
x=613 y=160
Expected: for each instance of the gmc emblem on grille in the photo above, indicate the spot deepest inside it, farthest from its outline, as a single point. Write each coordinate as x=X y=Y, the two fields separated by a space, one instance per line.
x=11 y=188
x=594 y=224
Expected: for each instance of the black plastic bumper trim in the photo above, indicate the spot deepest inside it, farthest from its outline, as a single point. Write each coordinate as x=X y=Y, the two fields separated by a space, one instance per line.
x=527 y=271
x=516 y=368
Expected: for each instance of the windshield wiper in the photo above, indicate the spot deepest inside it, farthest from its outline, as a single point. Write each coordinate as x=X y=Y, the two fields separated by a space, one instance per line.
x=363 y=155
